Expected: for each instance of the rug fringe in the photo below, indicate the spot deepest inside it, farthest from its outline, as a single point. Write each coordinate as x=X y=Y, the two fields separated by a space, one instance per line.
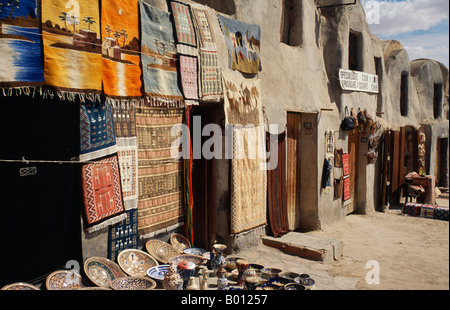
x=107 y=223
x=164 y=230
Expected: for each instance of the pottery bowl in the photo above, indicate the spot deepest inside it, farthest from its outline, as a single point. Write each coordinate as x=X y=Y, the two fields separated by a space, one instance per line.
x=270 y=287
x=20 y=286
x=294 y=287
x=161 y=250
x=158 y=272
x=279 y=281
x=64 y=280
x=133 y=284
x=135 y=263
x=179 y=242
x=195 y=259
x=268 y=273
x=195 y=251
x=101 y=271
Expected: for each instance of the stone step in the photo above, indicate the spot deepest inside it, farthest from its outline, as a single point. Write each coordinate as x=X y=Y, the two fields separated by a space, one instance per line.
x=307 y=246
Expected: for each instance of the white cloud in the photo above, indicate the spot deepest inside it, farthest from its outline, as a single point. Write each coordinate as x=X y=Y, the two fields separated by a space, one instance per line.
x=396 y=17
x=431 y=46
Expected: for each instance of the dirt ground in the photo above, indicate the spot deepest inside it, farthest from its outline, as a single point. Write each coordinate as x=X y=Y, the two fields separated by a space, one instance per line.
x=408 y=253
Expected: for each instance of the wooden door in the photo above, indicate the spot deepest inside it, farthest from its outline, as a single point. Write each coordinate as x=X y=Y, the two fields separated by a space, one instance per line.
x=294 y=121
x=353 y=152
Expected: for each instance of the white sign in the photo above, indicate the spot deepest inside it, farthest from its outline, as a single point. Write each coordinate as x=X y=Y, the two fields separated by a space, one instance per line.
x=358 y=81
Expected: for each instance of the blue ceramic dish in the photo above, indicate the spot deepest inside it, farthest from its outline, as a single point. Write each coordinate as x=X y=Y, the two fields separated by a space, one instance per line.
x=158 y=272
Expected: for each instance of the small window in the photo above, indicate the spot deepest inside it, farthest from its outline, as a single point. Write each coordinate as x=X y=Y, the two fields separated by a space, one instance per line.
x=291 y=27
x=354 y=52
x=404 y=91
x=437 y=100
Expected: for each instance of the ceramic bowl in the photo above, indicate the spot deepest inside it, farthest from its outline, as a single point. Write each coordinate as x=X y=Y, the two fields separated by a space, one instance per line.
x=101 y=271
x=133 y=284
x=231 y=262
x=195 y=251
x=64 y=280
x=270 y=287
x=257 y=267
x=135 y=263
x=268 y=273
x=289 y=275
x=177 y=259
x=279 y=281
x=20 y=286
x=180 y=242
x=306 y=281
x=158 y=272
x=294 y=287
x=161 y=250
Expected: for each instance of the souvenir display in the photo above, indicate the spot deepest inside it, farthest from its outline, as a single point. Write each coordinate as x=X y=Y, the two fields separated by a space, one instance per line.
x=161 y=250
x=136 y=262
x=133 y=284
x=102 y=271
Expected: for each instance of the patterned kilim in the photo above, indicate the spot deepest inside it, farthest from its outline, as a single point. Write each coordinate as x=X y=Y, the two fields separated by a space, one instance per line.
x=102 y=194
x=249 y=180
x=72 y=47
x=242 y=100
x=184 y=29
x=124 y=117
x=159 y=61
x=161 y=193
x=121 y=49
x=123 y=235
x=441 y=213
x=96 y=131
x=244 y=44
x=412 y=209
x=20 y=45
x=189 y=76
x=209 y=73
x=427 y=211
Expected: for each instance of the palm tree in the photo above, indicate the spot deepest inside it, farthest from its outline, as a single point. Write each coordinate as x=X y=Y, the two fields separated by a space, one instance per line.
x=89 y=20
x=124 y=35
x=64 y=17
x=117 y=34
x=108 y=29
x=13 y=4
x=73 y=20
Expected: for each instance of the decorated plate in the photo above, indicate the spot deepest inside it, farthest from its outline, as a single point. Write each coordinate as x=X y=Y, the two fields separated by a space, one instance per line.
x=102 y=271
x=133 y=284
x=197 y=260
x=135 y=262
x=20 y=286
x=158 y=272
x=64 y=280
x=161 y=250
x=180 y=242
x=195 y=251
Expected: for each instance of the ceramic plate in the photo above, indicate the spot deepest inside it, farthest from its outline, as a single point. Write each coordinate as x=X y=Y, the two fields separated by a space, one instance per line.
x=180 y=242
x=102 y=271
x=133 y=284
x=64 y=280
x=197 y=260
x=195 y=251
x=135 y=262
x=161 y=250
x=158 y=272
x=268 y=273
x=20 y=286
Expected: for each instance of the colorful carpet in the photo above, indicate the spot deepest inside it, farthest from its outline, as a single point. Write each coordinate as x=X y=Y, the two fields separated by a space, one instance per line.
x=249 y=180
x=159 y=59
x=184 y=29
x=102 y=194
x=123 y=235
x=161 y=185
x=189 y=77
x=20 y=47
x=121 y=48
x=210 y=80
x=72 y=48
x=242 y=102
x=97 y=132
x=244 y=43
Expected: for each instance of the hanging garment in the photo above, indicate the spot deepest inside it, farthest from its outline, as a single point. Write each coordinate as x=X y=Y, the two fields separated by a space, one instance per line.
x=276 y=186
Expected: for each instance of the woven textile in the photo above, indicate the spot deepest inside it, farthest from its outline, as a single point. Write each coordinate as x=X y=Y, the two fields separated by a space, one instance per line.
x=189 y=76
x=20 y=45
x=441 y=213
x=242 y=100
x=412 y=209
x=249 y=180
x=121 y=49
x=96 y=131
x=184 y=29
x=72 y=47
x=123 y=235
x=161 y=196
x=276 y=185
x=244 y=42
x=102 y=193
x=209 y=74
x=159 y=54
x=427 y=211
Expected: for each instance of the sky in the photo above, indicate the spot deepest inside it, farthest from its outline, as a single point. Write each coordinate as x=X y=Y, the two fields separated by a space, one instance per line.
x=422 y=26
